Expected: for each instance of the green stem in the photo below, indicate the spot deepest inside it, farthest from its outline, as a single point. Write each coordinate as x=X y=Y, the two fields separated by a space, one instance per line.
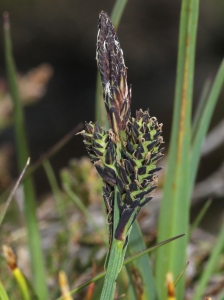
x=115 y=257
x=113 y=269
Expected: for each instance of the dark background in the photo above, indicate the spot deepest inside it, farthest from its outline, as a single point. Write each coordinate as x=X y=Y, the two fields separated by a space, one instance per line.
x=63 y=34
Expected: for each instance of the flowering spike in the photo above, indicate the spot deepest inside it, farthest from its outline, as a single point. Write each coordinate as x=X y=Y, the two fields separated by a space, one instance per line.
x=126 y=155
x=113 y=72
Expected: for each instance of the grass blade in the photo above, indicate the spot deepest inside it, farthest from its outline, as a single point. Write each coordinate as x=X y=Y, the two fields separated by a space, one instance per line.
x=3 y=294
x=174 y=214
x=142 y=265
x=200 y=216
x=56 y=191
x=3 y=212
x=117 y=12
x=204 y=122
x=201 y=105
x=177 y=279
x=22 y=151
x=210 y=266
x=126 y=285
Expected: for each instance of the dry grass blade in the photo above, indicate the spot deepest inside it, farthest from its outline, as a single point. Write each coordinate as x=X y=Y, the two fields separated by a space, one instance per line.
x=2 y=215
x=63 y=283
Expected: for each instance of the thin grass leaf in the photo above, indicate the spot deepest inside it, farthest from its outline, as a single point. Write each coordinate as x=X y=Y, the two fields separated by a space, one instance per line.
x=201 y=104
x=17 y=273
x=200 y=217
x=174 y=212
x=3 y=294
x=117 y=12
x=22 y=284
x=210 y=266
x=100 y=113
x=56 y=191
x=126 y=261
x=204 y=121
x=142 y=265
x=83 y=209
x=177 y=279
x=3 y=212
x=23 y=153
x=138 y=255
x=125 y=285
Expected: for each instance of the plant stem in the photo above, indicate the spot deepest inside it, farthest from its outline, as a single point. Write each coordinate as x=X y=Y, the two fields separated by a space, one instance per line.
x=115 y=257
x=113 y=269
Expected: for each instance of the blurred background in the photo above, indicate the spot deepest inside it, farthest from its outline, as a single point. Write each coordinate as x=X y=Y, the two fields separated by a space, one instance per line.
x=54 y=49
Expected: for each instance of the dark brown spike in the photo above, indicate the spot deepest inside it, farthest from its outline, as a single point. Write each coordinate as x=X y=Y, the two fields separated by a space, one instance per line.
x=110 y=154
x=97 y=152
x=151 y=145
x=133 y=187
x=125 y=217
x=123 y=175
x=134 y=134
x=120 y=185
x=107 y=175
x=127 y=198
x=128 y=167
x=144 y=202
x=113 y=73
x=155 y=170
x=157 y=158
x=142 y=170
x=129 y=147
x=137 y=154
x=157 y=134
x=96 y=144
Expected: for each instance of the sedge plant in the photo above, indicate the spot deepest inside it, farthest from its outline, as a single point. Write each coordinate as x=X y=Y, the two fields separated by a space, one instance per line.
x=125 y=156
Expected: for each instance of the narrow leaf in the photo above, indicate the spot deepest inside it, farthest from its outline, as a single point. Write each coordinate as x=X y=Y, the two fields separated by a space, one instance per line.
x=142 y=265
x=200 y=216
x=204 y=121
x=210 y=266
x=174 y=213
x=23 y=154
x=3 y=294
x=201 y=104
x=3 y=212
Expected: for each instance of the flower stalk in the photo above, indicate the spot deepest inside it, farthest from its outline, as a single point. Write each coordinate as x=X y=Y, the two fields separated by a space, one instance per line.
x=125 y=156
